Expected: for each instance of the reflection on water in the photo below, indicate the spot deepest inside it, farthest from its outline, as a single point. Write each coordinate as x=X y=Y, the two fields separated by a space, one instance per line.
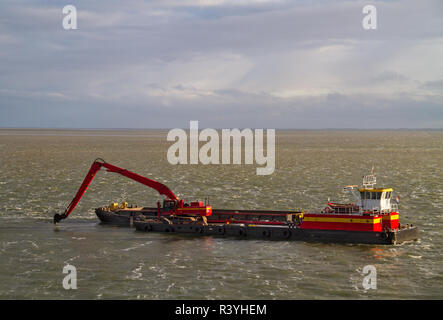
x=41 y=171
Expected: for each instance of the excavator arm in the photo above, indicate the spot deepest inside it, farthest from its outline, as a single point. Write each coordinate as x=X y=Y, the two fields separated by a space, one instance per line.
x=96 y=166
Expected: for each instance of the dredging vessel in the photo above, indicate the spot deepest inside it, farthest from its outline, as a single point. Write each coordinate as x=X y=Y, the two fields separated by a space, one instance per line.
x=373 y=219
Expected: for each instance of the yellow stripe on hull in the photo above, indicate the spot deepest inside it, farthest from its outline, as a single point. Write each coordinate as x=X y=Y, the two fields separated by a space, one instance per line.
x=375 y=190
x=390 y=218
x=342 y=220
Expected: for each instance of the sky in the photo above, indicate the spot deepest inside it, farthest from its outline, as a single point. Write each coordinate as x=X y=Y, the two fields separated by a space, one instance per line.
x=305 y=64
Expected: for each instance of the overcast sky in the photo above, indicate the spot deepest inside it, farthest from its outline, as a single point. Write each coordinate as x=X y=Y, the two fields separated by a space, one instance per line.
x=227 y=63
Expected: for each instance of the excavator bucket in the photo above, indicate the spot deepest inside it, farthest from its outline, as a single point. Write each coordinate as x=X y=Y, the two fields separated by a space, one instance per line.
x=58 y=217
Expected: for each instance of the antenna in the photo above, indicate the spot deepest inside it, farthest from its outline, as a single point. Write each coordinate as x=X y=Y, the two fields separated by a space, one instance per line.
x=370 y=180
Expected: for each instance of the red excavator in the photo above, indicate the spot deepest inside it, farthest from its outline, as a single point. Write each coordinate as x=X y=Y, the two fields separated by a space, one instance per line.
x=172 y=206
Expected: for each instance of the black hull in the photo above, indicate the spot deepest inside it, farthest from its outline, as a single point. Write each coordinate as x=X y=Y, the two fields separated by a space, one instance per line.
x=281 y=233
x=265 y=232
x=122 y=220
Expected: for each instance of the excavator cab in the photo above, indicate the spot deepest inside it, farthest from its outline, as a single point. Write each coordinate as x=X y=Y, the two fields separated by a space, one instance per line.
x=168 y=205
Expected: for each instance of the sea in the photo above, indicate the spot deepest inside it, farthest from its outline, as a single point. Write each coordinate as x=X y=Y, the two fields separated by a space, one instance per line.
x=41 y=170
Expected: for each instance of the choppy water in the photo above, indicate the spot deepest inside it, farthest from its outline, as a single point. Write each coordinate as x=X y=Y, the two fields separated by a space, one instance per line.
x=41 y=171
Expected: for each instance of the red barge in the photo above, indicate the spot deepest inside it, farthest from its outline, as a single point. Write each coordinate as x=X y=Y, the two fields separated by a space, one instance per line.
x=373 y=219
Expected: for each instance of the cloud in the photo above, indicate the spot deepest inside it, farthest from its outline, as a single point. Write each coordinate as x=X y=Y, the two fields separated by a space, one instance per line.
x=285 y=63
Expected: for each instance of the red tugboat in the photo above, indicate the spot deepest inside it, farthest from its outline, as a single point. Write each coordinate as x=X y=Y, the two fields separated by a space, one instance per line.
x=374 y=219
x=374 y=216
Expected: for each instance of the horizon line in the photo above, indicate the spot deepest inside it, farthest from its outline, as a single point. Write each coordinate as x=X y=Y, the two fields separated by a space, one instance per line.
x=281 y=129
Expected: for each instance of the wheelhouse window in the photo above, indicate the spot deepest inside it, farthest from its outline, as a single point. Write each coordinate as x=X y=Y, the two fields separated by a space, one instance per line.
x=168 y=205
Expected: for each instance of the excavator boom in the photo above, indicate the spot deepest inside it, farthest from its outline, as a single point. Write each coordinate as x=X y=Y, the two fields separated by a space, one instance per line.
x=96 y=166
